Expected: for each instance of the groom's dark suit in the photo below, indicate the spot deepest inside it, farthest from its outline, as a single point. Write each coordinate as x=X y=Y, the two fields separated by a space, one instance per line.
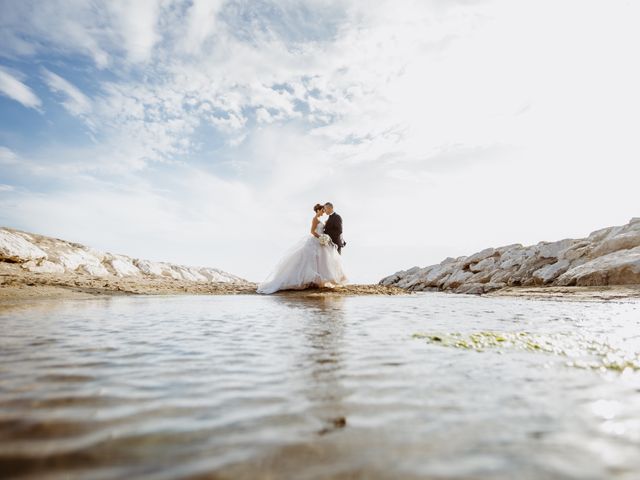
x=333 y=228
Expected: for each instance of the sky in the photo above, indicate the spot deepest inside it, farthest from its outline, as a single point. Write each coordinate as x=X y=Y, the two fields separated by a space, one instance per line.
x=203 y=132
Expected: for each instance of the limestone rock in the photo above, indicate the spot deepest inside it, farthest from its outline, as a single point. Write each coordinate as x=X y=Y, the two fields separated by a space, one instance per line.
x=122 y=266
x=478 y=257
x=437 y=276
x=15 y=248
x=456 y=279
x=603 y=233
x=95 y=270
x=189 y=274
x=470 y=289
x=617 y=268
x=578 y=250
x=622 y=241
x=481 y=277
x=41 y=254
x=391 y=279
x=607 y=256
x=448 y=260
x=501 y=276
x=150 y=268
x=486 y=264
x=549 y=273
x=43 y=266
x=411 y=281
x=507 y=248
x=72 y=258
x=215 y=275
x=515 y=257
x=554 y=249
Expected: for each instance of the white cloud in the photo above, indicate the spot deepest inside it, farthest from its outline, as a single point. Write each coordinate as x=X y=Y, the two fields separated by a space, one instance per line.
x=200 y=24
x=437 y=128
x=74 y=100
x=13 y=88
x=117 y=30
x=135 y=26
x=7 y=156
x=66 y=26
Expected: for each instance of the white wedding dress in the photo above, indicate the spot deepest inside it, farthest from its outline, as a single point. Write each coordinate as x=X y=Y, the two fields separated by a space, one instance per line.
x=306 y=264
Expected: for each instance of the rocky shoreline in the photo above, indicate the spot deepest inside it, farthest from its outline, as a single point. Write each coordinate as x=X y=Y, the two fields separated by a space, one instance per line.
x=603 y=266
x=609 y=257
x=35 y=266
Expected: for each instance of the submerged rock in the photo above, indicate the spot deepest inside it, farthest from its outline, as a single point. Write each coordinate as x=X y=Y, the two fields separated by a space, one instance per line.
x=610 y=256
x=576 y=350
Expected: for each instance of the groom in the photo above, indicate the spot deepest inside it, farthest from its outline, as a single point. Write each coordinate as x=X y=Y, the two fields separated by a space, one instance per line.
x=333 y=227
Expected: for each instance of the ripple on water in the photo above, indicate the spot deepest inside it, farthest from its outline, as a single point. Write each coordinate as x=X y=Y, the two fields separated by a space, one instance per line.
x=271 y=387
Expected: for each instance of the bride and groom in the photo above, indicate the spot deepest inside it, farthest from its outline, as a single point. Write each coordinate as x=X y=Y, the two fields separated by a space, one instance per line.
x=315 y=260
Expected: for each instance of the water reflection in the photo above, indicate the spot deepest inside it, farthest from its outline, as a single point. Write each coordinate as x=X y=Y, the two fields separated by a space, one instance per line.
x=322 y=358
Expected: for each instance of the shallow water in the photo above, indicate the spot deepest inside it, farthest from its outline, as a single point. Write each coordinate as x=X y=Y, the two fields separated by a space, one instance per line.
x=274 y=387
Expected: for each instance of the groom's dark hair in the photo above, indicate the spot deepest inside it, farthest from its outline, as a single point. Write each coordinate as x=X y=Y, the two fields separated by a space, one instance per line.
x=328 y=204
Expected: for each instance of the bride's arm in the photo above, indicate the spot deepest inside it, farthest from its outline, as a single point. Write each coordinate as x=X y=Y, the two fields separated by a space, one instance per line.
x=314 y=224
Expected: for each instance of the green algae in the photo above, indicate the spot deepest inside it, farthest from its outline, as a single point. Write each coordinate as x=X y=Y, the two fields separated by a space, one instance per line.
x=581 y=352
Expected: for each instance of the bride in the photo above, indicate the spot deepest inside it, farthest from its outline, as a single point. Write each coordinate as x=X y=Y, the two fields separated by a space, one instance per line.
x=311 y=262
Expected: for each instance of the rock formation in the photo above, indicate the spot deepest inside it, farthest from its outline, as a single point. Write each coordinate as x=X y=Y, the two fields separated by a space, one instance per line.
x=40 y=254
x=610 y=256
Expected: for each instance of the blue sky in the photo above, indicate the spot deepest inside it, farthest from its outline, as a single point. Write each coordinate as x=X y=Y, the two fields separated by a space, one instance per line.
x=203 y=132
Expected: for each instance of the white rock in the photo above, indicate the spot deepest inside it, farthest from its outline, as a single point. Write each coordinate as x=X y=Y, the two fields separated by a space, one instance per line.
x=604 y=233
x=448 y=260
x=617 y=268
x=123 y=266
x=549 y=273
x=438 y=273
x=554 y=249
x=486 y=264
x=197 y=274
x=411 y=271
x=607 y=256
x=186 y=274
x=390 y=280
x=481 y=277
x=43 y=266
x=457 y=278
x=148 y=267
x=632 y=226
x=622 y=241
x=577 y=250
x=515 y=257
x=73 y=258
x=15 y=248
x=417 y=278
x=95 y=270
x=470 y=289
x=477 y=257
x=491 y=286
x=507 y=248
x=215 y=275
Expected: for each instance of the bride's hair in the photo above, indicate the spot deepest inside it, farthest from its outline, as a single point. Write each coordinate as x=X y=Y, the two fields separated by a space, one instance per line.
x=317 y=207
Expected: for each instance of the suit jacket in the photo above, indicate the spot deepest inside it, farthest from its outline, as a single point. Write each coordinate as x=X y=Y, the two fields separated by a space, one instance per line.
x=333 y=228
